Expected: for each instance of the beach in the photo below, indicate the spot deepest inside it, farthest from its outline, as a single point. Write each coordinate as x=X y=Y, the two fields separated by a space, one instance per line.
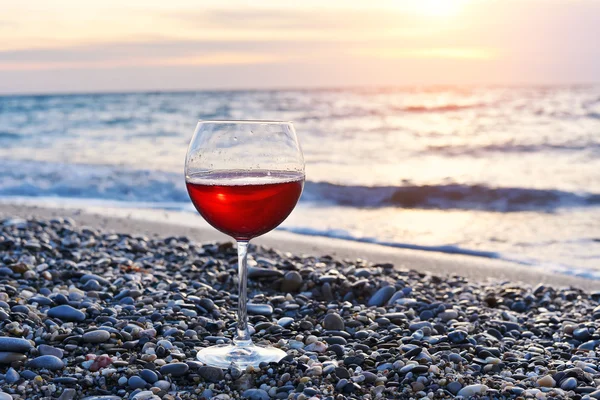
x=104 y=307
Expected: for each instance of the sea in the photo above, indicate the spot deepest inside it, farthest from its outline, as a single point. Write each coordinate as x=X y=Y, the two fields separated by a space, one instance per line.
x=510 y=173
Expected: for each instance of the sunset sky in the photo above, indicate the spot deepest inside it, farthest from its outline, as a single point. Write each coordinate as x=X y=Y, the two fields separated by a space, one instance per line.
x=115 y=45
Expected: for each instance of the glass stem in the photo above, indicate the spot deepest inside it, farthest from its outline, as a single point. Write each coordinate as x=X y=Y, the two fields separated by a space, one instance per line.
x=243 y=335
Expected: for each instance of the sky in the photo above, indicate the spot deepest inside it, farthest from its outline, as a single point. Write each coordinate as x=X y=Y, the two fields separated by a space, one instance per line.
x=114 y=45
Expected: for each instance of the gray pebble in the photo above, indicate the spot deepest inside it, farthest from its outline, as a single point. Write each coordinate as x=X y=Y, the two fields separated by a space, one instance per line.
x=98 y=336
x=285 y=321
x=569 y=384
x=51 y=363
x=46 y=350
x=454 y=387
x=135 y=382
x=66 y=313
x=5 y=396
x=333 y=322
x=12 y=376
x=211 y=374
x=175 y=369
x=14 y=345
x=8 y=357
x=256 y=394
x=381 y=296
x=260 y=309
x=68 y=394
x=292 y=281
x=149 y=375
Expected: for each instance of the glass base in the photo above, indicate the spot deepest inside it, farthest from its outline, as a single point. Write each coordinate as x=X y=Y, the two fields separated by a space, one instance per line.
x=243 y=355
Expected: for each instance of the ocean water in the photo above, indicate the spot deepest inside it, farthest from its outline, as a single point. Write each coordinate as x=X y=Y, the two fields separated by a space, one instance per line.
x=501 y=172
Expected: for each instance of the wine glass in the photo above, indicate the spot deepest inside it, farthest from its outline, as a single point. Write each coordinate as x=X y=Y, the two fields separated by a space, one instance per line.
x=244 y=178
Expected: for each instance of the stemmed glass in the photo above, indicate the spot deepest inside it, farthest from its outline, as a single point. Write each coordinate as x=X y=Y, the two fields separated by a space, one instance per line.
x=244 y=178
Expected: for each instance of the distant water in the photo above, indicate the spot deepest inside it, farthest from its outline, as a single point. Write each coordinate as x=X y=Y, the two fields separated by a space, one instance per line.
x=501 y=172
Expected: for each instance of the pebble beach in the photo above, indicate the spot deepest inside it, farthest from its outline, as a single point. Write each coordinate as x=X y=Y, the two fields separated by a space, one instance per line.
x=91 y=314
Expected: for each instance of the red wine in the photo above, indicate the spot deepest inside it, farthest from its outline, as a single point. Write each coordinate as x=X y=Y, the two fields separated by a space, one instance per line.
x=245 y=204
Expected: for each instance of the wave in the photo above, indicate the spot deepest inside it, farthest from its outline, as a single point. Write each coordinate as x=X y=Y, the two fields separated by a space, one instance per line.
x=449 y=249
x=9 y=135
x=510 y=147
x=441 y=108
x=449 y=196
x=46 y=179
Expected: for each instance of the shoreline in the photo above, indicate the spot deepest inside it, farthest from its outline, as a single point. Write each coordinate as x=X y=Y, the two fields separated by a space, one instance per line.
x=92 y=313
x=164 y=223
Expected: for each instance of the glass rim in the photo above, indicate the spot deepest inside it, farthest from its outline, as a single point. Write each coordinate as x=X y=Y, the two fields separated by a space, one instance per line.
x=243 y=121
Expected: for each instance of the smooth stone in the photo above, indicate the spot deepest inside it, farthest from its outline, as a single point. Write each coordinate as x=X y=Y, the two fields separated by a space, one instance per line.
x=12 y=376
x=454 y=387
x=546 y=381
x=472 y=390
x=5 y=396
x=256 y=394
x=88 y=277
x=285 y=321
x=99 y=336
x=457 y=336
x=333 y=322
x=211 y=374
x=381 y=296
x=260 y=309
x=14 y=345
x=175 y=369
x=68 y=394
x=51 y=363
x=7 y=357
x=395 y=297
x=256 y=273
x=102 y=398
x=135 y=382
x=581 y=334
x=46 y=350
x=589 y=345
x=145 y=395
x=317 y=347
x=569 y=384
x=162 y=385
x=149 y=376
x=342 y=373
x=448 y=315
x=292 y=282
x=66 y=313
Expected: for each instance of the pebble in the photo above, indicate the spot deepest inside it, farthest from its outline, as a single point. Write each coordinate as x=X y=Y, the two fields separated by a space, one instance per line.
x=14 y=345
x=260 y=309
x=5 y=396
x=8 y=357
x=454 y=387
x=292 y=282
x=472 y=390
x=381 y=296
x=211 y=374
x=66 y=313
x=135 y=382
x=333 y=322
x=12 y=376
x=51 y=363
x=256 y=394
x=46 y=350
x=148 y=375
x=569 y=384
x=285 y=321
x=546 y=381
x=97 y=336
x=175 y=369
x=68 y=394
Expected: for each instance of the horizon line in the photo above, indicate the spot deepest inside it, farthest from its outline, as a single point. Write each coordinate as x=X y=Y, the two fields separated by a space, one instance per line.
x=298 y=88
